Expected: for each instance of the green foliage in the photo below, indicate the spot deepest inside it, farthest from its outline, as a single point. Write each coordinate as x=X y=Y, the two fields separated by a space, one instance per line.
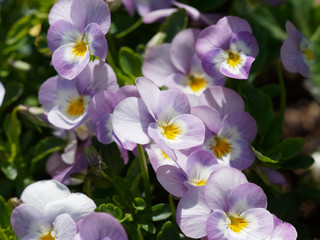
x=130 y=62
x=174 y=24
x=259 y=105
x=168 y=231
x=110 y=209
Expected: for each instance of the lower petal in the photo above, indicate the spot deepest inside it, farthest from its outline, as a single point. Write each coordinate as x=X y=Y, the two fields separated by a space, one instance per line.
x=68 y=64
x=241 y=71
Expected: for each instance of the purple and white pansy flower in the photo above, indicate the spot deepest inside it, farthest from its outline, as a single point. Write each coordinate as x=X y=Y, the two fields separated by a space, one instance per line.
x=227 y=48
x=77 y=30
x=161 y=116
x=229 y=129
x=66 y=102
x=49 y=211
x=199 y=166
x=228 y=208
x=296 y=54
x=176 y=65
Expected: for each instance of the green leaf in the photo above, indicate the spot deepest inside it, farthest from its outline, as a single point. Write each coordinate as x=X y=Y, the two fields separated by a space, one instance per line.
x=158 y=212
x=259 y=105
x=285 y=206
x=273 y=90
x=298 y=162
x=13 y=91
x=10 y=171
x=174 y=24
x=266 y=19
x=148 y=226
x=110 y=209
x=134 y=170
x=139 y=204
x=46 y=146
x=5 y=215
x=289 y=148
x=207 y=5
x=124 y=197
x=129 y=29
x=130 y=62
x=263 y=158
x=19 y=30
x=168 y=231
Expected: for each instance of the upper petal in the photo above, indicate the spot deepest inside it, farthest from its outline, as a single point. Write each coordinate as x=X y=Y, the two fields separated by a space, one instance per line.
x=43 y=192
x=182 y=49
x=220 y=185
x=77 y=205
x=157 y=64
x=224 y=100
x=84 y=12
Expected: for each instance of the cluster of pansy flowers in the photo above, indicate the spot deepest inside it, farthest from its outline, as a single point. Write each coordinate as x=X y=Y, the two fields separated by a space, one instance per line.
x=196 y=133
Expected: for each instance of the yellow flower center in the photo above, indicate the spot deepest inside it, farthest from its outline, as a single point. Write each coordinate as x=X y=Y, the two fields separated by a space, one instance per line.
x=164 y=155
x=47 y=236
x=76 y=106
x=198 y=182
x=170 y=131
x=220 y=147
x=308 y=54
x=237 y=223
x=196 y=82
x=80 y=48
x=233 y=59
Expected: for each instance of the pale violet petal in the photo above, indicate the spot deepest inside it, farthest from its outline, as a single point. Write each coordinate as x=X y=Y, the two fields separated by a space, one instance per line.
x=220 y=185
x=192 y=213
x=64 y=227
x=132 y=119
x=67 y=62
x=149 y=93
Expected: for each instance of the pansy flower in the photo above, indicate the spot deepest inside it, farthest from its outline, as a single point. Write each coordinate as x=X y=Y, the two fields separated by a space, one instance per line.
x=227 y=48
x=176 y=65
x=49 y=211
x=296 y=54
x=161 y=116
x=66 y=102
x=229 y=130
x=77 y=30
x=198 y=167
x=228 y=208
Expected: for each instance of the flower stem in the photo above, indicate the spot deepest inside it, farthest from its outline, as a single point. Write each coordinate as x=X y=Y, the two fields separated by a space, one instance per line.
x=283 y=95
x=144 y=172
x=172 y=207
